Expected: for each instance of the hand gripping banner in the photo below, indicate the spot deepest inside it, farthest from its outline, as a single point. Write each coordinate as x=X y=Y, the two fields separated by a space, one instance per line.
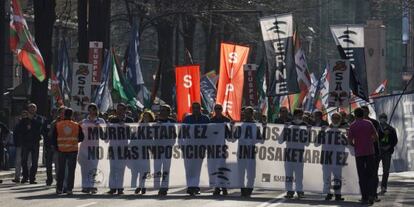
x=349 y=40
x=239 y=155
x=277 y=32
x=231 y=78
x=187 y=83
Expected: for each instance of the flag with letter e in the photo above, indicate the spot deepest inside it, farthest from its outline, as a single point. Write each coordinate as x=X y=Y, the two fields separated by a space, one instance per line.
x=277 y=32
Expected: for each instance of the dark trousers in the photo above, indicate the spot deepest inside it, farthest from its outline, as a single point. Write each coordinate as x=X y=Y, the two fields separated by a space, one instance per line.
x=366 y=175
x=67 y=162
x=376 y=167
x=386 y=162
x=34 y=153
x=50 y=155
x=2 y=158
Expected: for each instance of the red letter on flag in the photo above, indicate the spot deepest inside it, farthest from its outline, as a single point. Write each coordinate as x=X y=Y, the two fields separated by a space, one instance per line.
x=187 y=85
x=230 y=87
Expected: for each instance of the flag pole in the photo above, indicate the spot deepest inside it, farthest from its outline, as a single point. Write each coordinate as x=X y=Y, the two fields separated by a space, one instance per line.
x=399 y=98
x=290 y=108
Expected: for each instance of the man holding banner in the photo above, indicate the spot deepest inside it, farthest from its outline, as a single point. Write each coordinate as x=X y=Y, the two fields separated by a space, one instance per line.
x=117 y=167
x=193 y=166
x=218 y=118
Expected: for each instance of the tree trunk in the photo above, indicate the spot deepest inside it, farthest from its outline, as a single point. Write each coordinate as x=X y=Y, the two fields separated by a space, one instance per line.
x=213 y=40
x=44 y=19
x=189 y=25
x=165 y=54
x=82 y=31
x=99 y=21
x=2 y=48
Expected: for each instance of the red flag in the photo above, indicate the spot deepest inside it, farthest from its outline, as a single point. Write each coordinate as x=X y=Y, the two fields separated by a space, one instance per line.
x=187 y=85
x=381 y=89
x=231 y=78
x=23 y=45
x=304 y=80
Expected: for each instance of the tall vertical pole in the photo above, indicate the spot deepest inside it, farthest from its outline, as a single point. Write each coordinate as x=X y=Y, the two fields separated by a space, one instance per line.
x=2 y=48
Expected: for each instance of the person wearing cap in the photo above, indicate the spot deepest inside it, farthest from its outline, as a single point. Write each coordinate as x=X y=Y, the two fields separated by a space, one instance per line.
x=387 y=142
x=66 y=136
x=94 y=120
x=362 y=134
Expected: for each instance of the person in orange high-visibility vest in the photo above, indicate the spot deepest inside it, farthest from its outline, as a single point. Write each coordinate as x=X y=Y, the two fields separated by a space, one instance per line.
x=66 y=136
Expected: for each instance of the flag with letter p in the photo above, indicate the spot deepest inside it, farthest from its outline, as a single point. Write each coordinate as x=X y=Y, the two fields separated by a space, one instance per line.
x=231 y=78
x=187 y=83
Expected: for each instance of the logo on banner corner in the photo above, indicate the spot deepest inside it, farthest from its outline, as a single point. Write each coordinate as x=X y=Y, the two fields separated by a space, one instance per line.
x=149 y=177
x=336 y=183
x=266 y=178
x=96 y=176
x=83 y=70
x=220 y=174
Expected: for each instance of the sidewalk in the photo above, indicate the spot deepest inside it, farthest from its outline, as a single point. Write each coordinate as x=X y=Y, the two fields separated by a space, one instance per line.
x=9 y=174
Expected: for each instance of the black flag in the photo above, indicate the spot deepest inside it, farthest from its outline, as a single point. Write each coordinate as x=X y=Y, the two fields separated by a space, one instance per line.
x=349 y=40
x=277 y=34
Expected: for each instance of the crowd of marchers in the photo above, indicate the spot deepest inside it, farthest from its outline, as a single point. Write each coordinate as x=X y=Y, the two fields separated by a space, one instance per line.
x=374 y=142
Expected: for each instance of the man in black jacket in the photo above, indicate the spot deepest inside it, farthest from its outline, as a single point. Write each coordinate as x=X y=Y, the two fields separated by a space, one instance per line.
x=376 y=147
x=4 y=131
x=387 y=142
x=118 y=166
x=31 y=135
x=18 y=142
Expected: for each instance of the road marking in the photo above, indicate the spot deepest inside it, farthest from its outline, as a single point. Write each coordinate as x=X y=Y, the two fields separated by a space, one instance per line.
x=400 y=197
x=272 y=201
x=87 y=204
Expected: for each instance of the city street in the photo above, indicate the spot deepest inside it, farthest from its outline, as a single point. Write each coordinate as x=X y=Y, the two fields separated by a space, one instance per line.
x=400 y=193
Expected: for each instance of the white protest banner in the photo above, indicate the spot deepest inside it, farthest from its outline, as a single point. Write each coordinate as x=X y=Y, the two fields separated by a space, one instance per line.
x=81 y=86
x=223 y=155
x=338 y=83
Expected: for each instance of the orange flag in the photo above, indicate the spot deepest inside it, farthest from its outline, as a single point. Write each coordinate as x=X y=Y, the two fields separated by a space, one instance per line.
x=231 y=78
x=187 y=83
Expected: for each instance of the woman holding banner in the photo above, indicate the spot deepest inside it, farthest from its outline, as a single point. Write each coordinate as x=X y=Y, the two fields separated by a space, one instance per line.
x=162 y=165
x=141 y=167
